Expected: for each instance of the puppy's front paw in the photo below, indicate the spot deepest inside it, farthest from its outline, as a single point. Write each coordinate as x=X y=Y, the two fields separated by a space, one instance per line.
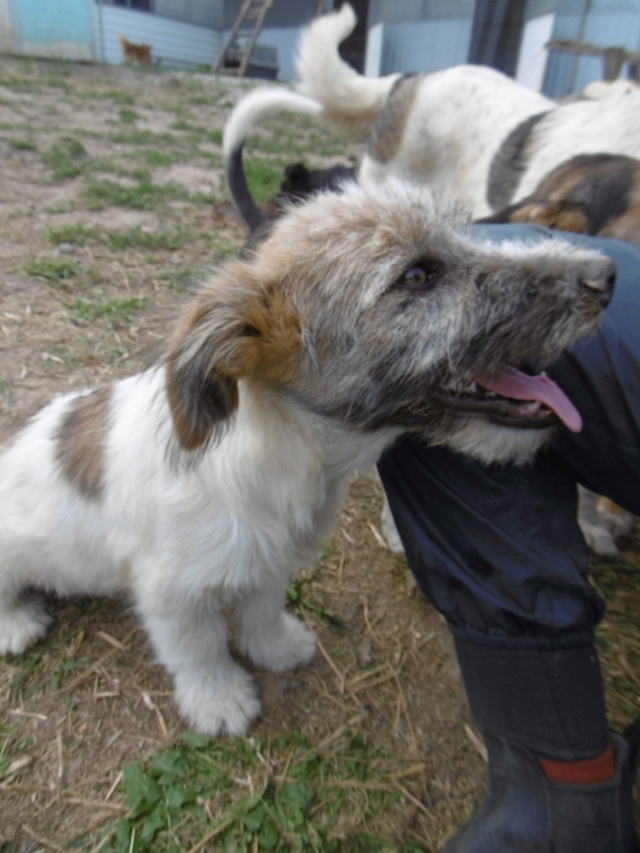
x=21 y=625
x=224 y=702
x=281 y=645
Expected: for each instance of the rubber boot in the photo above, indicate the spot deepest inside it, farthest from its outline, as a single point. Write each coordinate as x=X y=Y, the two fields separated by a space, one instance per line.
x=523 y=811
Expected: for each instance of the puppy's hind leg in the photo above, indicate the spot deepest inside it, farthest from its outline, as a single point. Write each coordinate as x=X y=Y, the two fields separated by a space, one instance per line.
x=270 y=636
x=214 y=694
x=22 y=620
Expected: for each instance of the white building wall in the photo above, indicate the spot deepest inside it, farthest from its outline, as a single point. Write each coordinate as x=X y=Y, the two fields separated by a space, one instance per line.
x=373 y=55
x=424 y=45
x=532 y=59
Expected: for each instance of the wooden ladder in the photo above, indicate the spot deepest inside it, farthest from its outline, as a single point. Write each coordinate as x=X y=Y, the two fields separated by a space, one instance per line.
x=251 y=10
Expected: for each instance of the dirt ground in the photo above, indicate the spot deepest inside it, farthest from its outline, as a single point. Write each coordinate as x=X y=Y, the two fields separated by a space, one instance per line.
x=112 y=208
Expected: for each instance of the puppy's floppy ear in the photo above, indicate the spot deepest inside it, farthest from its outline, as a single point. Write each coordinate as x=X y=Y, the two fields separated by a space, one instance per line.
x=201 y=372
x=238 y=327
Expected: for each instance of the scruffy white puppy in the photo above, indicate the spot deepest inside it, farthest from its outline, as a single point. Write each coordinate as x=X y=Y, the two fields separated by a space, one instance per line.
x=469 y=133
x=206 y=481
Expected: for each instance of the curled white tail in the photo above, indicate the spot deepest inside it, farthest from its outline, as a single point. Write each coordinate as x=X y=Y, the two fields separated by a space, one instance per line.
x=348 y=98
x=257 y=105
x=246 y=115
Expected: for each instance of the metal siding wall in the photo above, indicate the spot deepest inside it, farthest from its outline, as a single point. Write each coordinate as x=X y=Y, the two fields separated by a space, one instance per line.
x=205 y=13
x=178 y=45
x=286 y=41
x=425 y=45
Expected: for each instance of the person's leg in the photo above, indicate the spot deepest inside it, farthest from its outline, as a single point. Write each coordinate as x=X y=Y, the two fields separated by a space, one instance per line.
x=498 y=551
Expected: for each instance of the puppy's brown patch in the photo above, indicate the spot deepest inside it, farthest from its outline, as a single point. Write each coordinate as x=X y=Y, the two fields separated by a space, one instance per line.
x=388 y=129
x=597 y=194
x=82 y=441
x=239 y=327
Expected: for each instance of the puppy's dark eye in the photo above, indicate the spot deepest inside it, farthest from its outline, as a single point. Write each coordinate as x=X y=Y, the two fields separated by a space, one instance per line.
x=250 y=331
x=421 y=276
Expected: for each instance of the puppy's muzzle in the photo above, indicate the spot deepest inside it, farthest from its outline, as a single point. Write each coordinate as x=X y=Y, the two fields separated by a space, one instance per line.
x=601 y=286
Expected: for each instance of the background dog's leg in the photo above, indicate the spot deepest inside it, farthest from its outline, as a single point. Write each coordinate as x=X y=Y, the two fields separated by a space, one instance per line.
x=389 y=529
x=214 y=694
x=597 y=536
x=618 y=521
x=268 y=635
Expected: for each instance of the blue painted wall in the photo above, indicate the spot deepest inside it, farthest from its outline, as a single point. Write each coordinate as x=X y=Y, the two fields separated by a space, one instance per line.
x=50 y=21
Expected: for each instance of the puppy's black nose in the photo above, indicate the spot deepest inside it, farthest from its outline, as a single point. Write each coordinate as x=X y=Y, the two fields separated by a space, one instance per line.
x=601 y=285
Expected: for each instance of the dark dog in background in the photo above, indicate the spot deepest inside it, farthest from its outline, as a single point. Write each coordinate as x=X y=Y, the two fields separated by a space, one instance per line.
x=300 y=182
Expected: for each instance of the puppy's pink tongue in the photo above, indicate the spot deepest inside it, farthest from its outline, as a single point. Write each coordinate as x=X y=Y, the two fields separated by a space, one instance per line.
x=520 y=386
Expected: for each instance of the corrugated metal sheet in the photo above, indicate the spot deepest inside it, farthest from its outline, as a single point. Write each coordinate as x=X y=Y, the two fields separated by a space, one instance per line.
x=424 y=45
x=285 y=41
x=176 y=44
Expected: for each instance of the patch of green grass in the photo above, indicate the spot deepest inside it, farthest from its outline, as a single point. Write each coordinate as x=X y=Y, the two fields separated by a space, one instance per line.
x=299 y=600
x=8 y=125
x=106 y=167
x=299 y=800
x=263 y=177
x=12 y=752
x=128 y=116
x=185 y=125
x=115 y=312
x=75 y=233
x=22 y=144
x=58 y=83
x=120 y=97
x=21 y=85
x=136 y=238
x=66 y=356
x=67 y=157
x=144 y=195
x=182 y=278
x=143 y=137
x=214 y=136
x=155 y=159
x=53 y=272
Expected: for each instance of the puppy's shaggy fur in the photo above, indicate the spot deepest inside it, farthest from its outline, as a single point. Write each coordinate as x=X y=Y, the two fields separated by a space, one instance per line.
x=473 y=135
x=203 y=483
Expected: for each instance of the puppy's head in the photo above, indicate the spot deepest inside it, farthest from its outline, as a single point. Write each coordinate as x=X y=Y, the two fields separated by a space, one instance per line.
x=364 y=307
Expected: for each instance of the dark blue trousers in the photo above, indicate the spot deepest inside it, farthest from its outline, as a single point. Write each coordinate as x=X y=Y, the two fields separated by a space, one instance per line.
x=498 y=551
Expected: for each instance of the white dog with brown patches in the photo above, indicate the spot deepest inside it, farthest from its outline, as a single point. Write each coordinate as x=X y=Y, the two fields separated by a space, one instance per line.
x=205 y=482
x=469 y=133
